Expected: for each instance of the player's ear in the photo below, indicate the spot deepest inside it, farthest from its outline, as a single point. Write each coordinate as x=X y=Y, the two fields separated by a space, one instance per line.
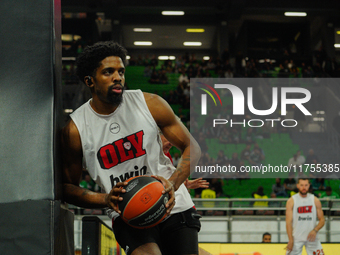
x=88 y=81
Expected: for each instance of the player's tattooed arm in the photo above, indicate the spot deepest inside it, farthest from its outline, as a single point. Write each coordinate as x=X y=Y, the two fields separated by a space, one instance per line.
x=183 y=163
x=72 y=171
x=177 y=134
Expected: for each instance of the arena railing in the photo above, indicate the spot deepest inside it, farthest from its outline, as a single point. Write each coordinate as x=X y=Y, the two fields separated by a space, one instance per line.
x=230 y=205
x=250 y=209
x=221 y=218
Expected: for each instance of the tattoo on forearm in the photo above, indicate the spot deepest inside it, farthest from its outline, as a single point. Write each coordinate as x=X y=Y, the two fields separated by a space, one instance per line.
x=71 y=187
x=85 y=192
x=185 y=162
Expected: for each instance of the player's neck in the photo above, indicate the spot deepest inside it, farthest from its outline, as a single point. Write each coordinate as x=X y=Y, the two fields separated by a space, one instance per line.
x=102 y=107
x=303 y=196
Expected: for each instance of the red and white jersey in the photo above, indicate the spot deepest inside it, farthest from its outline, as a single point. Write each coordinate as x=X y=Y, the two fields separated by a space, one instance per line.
x=304 y=216
x=124 y=144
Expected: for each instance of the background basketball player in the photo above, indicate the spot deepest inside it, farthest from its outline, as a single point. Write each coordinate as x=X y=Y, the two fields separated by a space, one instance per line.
x=302 y=212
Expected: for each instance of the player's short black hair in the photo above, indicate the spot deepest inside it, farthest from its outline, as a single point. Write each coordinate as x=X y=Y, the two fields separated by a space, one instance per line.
x=89 y=60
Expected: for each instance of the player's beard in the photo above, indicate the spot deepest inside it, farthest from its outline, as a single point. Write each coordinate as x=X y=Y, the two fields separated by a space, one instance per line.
x=114 y=98
x=303 y=193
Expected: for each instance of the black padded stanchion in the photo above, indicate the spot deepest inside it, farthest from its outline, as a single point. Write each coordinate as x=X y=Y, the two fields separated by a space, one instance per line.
x=30 y=117
x=30 y=227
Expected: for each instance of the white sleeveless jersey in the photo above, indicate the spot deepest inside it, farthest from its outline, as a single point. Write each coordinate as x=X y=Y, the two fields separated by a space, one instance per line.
x=124 y=144
x=304 y=216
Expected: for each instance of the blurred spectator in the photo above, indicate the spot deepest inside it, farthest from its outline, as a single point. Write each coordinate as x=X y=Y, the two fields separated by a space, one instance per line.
x=329 y=193
x=184 y=116
x=147 y=71
x=224 y=137
x=221 y=159
x=202 y=143
x=207 y=129
x=311 y=191
x=278 y=189
x=283 y=72
x=259 y=194
x=171 y=97
x=227 y=66
x=266 y=238
x=205 y=160
x=154 y=61
x=163 y=78
x=256 y=157
x=290 y=183
x=216 y=184
x=256 y=145
x=294 y=162
x=211 y=65
x=246 y=153
x=139 y=61
x=249 y=136
x=318 y=184
x=300 y=158
x=229 y=74
x=208 y=193
x=183 y=77
x=235 y=136
x=312 y=158
x=235 y=161
x=176 y=159
x=274 y=203
x=88 y=183
x=154 y=78
x=242 y=175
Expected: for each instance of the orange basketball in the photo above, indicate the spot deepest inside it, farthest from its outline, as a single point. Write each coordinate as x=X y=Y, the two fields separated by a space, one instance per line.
x=143 y=204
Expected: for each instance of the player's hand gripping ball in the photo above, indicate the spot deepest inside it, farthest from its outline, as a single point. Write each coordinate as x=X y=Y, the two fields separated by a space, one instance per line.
x=143 y=204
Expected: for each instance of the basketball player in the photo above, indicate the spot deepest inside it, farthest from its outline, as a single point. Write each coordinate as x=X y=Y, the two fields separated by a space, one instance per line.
x=302 y=212
x=116 y=132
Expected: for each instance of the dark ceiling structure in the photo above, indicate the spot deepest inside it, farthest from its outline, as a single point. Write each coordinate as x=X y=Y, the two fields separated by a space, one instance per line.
x=254 y=27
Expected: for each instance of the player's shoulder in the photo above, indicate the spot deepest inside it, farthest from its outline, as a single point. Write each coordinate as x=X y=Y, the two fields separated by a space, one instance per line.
x=159 y=109
x=70 y=129
x=147 y=96
x=154 y=101
x=151 y=96
x=316 y=199
x=71 y=141
x=290 y=201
